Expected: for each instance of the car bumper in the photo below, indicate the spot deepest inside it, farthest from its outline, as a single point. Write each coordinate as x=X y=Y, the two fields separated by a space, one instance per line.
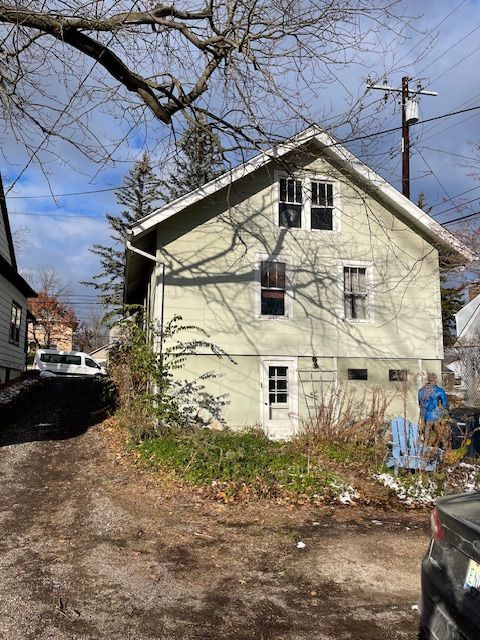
x=440 y=616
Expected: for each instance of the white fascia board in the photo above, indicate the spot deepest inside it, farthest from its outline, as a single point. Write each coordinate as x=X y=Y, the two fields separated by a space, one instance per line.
x=332 y=148
x=398 y=201
x=226 y=179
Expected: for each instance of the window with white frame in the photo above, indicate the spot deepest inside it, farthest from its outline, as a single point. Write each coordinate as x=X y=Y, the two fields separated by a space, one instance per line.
x=321 y=208
x=355 y=293
x=272 y=288
x=290 y=204
x=307 y=203
x=15 y=323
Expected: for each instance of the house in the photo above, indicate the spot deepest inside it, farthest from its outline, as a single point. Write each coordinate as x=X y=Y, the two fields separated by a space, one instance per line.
x=467 y=350
x=56 y=336
x=14 y=292
x=309 y=269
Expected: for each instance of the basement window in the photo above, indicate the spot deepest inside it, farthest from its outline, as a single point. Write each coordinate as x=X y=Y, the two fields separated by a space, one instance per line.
x=397 y=375
x=358 y=374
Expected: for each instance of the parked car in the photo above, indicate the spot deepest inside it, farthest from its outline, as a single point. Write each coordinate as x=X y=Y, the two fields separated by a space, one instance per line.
x=67 y=363
x=450 y=601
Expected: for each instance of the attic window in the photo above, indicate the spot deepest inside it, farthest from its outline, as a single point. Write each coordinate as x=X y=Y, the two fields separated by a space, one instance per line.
x=290 y=204
x=311 y=203
x=272 y=288
x=321 y=210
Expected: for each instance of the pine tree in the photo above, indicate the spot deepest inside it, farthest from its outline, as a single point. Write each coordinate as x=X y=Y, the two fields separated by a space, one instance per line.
x=140 y=189
x=199 y=160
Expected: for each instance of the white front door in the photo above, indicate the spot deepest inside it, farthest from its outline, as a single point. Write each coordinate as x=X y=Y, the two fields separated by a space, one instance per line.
x=279 y=397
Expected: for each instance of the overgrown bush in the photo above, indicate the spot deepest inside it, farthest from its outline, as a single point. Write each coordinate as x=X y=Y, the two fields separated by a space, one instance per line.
x=150 y=395
x=345 y=417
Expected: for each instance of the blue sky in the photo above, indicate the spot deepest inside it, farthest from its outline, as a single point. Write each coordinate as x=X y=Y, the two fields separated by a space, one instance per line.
x=60 y=230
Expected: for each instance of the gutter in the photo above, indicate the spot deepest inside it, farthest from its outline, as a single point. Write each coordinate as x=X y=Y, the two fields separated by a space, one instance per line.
x=150 y=256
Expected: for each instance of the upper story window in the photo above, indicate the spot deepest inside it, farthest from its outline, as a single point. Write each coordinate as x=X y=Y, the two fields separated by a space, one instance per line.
x=15 y=323
x=273 y=287
x=355 y=293
x=307 y=204
x=322 y=205
x=290 y=205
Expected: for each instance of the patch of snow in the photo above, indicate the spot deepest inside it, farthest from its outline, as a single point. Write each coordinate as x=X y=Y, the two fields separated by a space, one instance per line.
x=301 y=545
x=346 y=493
x=415 y=490
x=11 y=392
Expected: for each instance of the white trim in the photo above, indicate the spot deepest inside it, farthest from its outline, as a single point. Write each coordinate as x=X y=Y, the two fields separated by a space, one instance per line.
x=289 y=289
x=307 y=177
x=370 y=297
x=291 y=362
x=330 y=148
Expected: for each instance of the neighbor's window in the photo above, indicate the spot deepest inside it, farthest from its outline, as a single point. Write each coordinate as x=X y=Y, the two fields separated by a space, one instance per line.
x=15 y=323
x=358 y=374
x=272 y=288
x=355 y=293
x=290 y=205
x=321 y=210
x=397 y=375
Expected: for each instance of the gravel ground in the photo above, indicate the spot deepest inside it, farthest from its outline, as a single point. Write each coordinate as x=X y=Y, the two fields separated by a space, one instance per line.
x=91 y=548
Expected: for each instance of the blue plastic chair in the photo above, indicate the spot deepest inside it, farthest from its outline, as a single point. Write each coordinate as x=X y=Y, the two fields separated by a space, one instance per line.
x=407 y=450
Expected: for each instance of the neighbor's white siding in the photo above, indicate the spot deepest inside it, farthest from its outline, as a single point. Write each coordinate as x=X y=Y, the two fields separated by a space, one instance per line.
x=11 y=355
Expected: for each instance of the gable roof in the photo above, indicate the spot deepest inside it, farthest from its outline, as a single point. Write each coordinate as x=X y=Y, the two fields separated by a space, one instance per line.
x=6 y=226
x=468 y=317
x=331 y=149
x=8 y=268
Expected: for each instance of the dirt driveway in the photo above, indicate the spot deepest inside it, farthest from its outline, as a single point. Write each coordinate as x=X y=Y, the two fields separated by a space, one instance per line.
x=91 y=549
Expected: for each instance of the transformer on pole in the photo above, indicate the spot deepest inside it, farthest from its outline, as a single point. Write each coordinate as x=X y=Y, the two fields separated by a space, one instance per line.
x=409 y=116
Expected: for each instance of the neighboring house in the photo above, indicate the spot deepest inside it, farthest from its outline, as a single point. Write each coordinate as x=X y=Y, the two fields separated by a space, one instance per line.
x=309 y=269
x=14 y=292
x=467 y=348
x=61 y=336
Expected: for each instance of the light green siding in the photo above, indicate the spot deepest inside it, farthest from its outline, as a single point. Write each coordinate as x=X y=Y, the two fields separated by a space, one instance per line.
x=211 y=252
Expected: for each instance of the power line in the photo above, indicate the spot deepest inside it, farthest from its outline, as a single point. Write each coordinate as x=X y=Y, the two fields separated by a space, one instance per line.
x=334 y=144
x=447 y=50
x=63 y=195
x=431 y=31
x=471 y=215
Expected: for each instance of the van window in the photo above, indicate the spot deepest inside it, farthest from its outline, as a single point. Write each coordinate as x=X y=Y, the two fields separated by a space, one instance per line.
x=90 y=363
x=60 y=358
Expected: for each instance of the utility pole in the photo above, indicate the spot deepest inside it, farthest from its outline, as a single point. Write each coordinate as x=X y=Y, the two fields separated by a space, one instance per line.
x=409 y=116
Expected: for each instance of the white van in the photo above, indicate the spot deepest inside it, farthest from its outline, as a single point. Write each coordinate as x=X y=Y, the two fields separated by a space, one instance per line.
x=67 y=362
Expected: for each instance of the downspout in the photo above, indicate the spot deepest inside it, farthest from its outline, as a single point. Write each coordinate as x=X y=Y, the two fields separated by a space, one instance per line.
x=149 y=256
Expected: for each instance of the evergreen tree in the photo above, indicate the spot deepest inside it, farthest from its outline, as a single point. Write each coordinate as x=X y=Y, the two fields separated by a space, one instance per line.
x=140 y=189
x=452 y=301
x=199 y=160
